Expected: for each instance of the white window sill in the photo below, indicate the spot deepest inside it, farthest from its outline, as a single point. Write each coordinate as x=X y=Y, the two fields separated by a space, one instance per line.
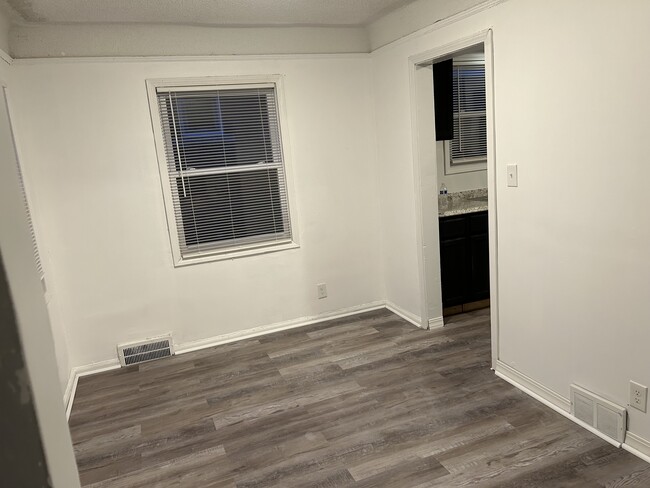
x=457 y=168
x=229 y=254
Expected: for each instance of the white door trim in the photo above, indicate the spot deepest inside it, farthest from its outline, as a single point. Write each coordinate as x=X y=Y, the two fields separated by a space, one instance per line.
x=428 y=246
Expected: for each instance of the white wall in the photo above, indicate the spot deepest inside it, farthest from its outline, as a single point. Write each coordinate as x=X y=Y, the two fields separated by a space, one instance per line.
x=57 y=326
x=60 y=40
x=86 y=136
x=31 y=311
x=573 y=237
x=137 y=39
x=59 y=332
x=458 y=181
x=416 y=15
x=5 y=27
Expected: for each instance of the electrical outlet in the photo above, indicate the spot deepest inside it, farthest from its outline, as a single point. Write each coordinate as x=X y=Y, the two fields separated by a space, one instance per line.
x=321 y=288
x=638 y=396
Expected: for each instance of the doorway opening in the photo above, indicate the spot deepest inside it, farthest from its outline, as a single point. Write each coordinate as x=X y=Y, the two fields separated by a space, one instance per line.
x=452 y=111
x=461 y=148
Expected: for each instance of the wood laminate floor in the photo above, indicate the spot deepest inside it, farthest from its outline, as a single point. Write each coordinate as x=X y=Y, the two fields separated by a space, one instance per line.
x=364 y=401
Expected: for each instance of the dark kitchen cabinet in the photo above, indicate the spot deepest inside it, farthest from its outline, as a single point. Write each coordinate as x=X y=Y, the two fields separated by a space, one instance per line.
x=464 y=259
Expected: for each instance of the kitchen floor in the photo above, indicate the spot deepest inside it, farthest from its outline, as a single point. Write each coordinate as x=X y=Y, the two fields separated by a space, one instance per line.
x=364 y=401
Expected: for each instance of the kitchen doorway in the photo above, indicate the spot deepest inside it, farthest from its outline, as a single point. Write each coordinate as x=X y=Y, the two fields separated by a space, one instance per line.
x=428 y=158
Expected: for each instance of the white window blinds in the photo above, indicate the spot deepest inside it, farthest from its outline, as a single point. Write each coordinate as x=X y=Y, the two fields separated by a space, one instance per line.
x=225 y=165
x=470 y=122
x=37 y=256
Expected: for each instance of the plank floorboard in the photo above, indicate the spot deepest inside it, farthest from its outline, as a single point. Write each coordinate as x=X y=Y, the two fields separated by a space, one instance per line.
x=361 y=401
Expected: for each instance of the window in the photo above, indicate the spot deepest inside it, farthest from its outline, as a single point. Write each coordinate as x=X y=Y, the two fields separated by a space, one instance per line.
x=467 y=151
x=223 y=159
x=4 y=112
x=30 y=223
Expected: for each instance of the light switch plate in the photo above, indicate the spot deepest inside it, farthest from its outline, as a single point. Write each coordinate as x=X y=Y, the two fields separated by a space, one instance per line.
x=512 y=175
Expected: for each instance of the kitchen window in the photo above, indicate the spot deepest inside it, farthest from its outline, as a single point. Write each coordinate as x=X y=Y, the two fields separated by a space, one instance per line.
x=467 y=151
x=223 y=168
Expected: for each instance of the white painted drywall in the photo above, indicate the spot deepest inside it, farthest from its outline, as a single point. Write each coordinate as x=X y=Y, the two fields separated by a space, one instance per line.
x=412 y=17
x=86 y=137
x=59 y=334
x=113 y=37
x=31 y=311
x=5 y=26
x=74 y=40
x=458 y=181
x=574 y=236
x=58 y=331
x=148 y=38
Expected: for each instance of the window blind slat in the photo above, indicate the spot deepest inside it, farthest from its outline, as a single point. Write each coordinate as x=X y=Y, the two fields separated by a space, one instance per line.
x=226 y=169
x=37 y=256
x=470 y=121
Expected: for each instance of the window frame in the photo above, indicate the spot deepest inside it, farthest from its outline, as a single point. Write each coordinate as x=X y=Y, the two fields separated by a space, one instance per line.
x=466 y=165
x=241 y=248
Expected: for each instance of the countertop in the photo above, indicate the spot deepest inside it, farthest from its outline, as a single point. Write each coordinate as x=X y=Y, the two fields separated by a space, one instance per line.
x=462 y=202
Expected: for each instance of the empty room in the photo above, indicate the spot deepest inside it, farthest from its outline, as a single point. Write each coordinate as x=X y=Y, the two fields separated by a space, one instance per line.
x=281 y=243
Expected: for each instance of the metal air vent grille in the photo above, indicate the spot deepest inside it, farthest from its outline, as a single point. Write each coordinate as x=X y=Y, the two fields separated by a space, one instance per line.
x=605 y=416
x=147 y=350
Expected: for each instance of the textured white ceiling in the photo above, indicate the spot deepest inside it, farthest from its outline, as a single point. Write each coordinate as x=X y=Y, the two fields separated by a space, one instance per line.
x=205 y=12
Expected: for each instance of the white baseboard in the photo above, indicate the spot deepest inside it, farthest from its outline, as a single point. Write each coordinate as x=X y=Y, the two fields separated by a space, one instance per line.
x=70 y=388
x=70 y=392
x=436 y=323
x=406 y=315
x=527 y=384
x=634 y=444
x=6 y=57
x=637 y=445
x=546 y=396
x=79 y=371
x=276 y=327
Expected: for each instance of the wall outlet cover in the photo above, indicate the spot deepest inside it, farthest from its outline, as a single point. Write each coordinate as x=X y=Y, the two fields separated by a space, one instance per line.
x=321 y=290
x=638 y=396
